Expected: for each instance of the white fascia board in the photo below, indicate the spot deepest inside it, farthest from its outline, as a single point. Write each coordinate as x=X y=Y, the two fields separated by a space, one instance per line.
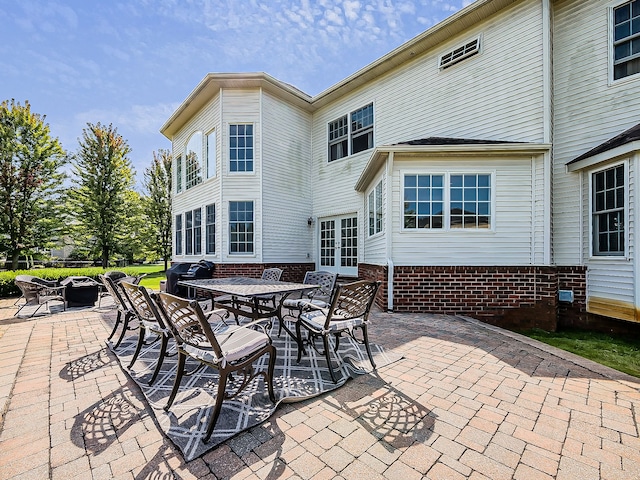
x=614 y=154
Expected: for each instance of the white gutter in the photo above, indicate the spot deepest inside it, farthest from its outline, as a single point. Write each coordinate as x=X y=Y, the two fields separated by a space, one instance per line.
x=389 y=232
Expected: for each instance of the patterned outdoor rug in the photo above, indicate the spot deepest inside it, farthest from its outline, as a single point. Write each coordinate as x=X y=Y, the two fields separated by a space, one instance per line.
x=186 y=421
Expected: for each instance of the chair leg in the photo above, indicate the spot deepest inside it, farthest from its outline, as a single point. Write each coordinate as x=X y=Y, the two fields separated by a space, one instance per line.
x=138 y=346
x=365 y=337
x=176 y=383
x=327 y=352
x=125 y=327
x=299 y=340
x=222 y=385
x=163 y=353
x=115 y=327
x=270 y=370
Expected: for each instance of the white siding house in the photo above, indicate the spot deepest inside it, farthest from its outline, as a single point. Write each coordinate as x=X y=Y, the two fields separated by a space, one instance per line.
x=455 y=169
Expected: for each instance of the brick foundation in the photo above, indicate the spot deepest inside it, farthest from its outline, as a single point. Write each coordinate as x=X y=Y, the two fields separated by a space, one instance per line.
x=292 y=272
x=518 y=298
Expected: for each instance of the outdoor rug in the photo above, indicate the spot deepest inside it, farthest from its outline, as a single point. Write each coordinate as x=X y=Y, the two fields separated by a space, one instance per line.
x=186 y=421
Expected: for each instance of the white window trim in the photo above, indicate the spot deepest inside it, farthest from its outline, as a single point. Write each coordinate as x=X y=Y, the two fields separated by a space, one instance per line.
x=228 y=148
x=382 y=208
x=229 y=253
x=447 y=202
x=609 y=258
x=350 y=132
x=211 y=172
x=200 y=161
x=611 y=59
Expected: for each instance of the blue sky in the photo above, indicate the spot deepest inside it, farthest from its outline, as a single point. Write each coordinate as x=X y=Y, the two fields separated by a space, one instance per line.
x=131 y=63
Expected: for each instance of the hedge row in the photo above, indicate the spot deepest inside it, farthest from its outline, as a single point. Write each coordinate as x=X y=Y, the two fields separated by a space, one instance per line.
x=8 y=286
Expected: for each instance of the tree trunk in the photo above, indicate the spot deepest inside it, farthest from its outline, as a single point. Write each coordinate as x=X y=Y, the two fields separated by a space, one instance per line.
x=105 y=257
x=15 y=256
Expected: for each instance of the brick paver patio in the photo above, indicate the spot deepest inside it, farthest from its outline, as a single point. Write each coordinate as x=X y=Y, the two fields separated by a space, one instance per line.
x=467 y=401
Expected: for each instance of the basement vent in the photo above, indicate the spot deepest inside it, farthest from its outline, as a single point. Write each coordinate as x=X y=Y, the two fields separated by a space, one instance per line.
x=465 y=51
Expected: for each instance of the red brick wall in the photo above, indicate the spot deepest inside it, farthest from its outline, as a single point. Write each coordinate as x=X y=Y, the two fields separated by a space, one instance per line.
x=292 y=272
x=511 y=297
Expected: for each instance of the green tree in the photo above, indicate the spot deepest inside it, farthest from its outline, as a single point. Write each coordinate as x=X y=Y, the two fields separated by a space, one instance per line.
x=157 y=182
x=103 y=176
x=30 y=180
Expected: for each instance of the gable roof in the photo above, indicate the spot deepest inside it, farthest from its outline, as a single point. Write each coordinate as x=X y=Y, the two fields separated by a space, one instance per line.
x=434 y=36
x=626 y=137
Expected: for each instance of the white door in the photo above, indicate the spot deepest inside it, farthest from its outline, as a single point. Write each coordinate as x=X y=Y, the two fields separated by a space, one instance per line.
x=339 y=245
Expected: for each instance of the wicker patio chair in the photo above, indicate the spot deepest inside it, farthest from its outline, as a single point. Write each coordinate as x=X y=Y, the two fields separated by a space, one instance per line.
x=230 y=350
x=38 y=291
x=150 y=322
x=125 y=311
x=349 y=311
x=320 y=296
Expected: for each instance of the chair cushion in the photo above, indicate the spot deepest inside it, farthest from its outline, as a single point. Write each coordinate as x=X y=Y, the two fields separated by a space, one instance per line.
x=300 y=302
x=235 y=342
x=316 y=319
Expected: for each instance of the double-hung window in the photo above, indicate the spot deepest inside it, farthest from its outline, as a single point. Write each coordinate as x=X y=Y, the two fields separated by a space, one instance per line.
x=375 y=209
x=197 y=231
x=193 y=161
x=211 y=154
x=241 y=227
x=352 y=134
x=178 y=246
x=241 y=148
x=447 y=201
x=211 y=229
x=608 y=200
x=188 y=233
x=178 y=173
x=626 y=39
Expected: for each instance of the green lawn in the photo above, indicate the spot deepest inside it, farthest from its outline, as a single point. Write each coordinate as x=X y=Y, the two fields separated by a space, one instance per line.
x=154 y=273
x=615 y=351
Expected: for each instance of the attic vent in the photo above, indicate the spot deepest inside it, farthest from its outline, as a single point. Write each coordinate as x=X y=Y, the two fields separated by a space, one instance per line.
x=460 y=53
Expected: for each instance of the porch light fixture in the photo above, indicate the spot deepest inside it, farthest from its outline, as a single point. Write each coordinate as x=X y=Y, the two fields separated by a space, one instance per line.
x=310 y=221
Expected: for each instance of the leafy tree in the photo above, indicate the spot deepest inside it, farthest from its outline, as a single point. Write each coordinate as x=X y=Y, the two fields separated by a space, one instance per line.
x=103 y=178
x=157 y=181
x=30 y=180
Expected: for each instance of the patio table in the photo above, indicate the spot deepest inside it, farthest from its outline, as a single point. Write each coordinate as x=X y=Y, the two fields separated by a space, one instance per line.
x=249 y=297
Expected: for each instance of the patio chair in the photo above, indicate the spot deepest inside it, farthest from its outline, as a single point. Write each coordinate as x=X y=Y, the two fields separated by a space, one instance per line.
x=272 y=274
x=349 y=310
x=319 y=297
x=125 y=312
x=150 y=321
x=229 y=350
x=38 y=291
x=117 y=276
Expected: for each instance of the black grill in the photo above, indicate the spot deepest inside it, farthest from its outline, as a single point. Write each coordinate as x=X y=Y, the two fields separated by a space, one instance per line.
x=187 y=271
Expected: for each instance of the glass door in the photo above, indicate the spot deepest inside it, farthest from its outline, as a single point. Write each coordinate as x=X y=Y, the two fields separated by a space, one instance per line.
x=339 y=244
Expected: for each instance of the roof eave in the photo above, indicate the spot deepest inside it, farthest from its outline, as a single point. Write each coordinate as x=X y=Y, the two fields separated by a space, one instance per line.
x=610 y=155
x=212 y=83
x=480 y=151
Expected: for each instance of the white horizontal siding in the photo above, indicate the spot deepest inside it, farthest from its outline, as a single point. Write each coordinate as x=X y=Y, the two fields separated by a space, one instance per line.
x=208 y=192
x=287 y=182
x=588 y=111
x=509 y=243
x=375 y=247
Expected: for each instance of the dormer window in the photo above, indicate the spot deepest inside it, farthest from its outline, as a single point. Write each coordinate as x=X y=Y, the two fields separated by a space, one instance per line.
x=464 y=51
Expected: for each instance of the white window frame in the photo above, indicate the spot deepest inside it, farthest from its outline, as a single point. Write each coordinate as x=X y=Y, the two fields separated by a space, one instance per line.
x=375 y=208
x=625 y=212
x=446 y=221
x=345 y=126
x=212 y=154
x=179 y=225
x=461 y=52
x=612 y=45
x=253 y=224
x=179 y=174
x=210 y=229
x=193 y=168
x=244 y=148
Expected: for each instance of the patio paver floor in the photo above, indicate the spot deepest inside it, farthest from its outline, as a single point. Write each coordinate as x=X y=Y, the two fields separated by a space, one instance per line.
x=468 y=400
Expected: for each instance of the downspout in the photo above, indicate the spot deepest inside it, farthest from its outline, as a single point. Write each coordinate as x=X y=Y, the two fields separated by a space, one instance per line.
x=389 y=231
x=547 y=72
